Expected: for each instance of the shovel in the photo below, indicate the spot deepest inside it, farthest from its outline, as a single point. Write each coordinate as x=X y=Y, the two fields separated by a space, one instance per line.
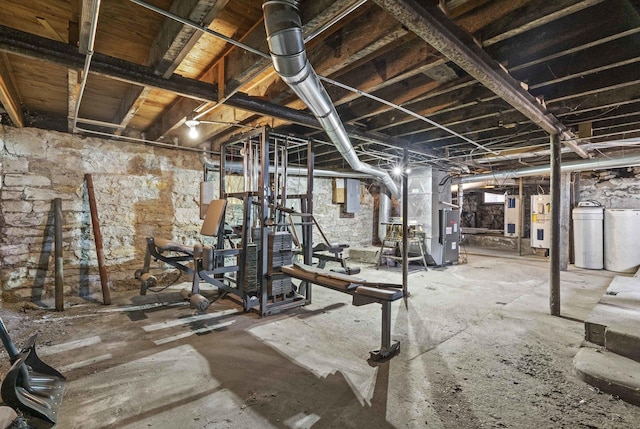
x=31 y=385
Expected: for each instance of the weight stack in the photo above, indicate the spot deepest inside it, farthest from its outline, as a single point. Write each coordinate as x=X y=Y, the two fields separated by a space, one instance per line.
x=251 y=269
x=279 y=251
x=278 y=284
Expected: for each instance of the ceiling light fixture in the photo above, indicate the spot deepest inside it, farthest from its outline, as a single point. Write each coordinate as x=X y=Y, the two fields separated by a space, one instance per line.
x=193 y=126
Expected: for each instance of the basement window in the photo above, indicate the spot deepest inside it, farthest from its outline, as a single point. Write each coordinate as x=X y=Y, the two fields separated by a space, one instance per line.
x=491 y=198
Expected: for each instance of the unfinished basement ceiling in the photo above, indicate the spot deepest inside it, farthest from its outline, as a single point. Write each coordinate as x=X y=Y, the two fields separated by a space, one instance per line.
x=571 y=66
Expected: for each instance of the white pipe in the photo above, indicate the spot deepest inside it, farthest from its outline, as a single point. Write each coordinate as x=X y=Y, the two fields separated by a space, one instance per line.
x=87 y=60
x=545 y=152
x=567 y=167
x=292 y=171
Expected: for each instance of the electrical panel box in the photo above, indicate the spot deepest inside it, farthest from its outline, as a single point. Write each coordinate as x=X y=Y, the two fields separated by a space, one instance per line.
x=352 y=196
x=512 y=216
x=541 y=221
x=449 y=236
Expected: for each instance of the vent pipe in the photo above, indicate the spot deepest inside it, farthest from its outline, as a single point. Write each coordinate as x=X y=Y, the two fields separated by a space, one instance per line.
x=543 y=170
x=286 y=45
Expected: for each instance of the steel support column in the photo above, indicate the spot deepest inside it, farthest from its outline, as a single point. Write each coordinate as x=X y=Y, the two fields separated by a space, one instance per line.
x=554 y=250
x=405 y=222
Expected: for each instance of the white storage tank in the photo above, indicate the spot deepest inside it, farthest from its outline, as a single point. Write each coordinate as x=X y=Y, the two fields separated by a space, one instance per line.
x=588 y=236
x=622 y=240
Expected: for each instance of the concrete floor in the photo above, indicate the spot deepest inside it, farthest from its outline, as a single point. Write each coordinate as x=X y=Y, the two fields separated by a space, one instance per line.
x=479 y=350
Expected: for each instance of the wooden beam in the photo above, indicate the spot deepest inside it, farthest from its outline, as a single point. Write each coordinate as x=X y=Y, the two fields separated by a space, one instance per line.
x=9 y=94
x=171 y=45
x=31 y=46
x=86 y=15
x=72 y=96
x=133 y=99
x=174 y=40
x=50 y=30
x=242 y=67
x=371 y=32
x=533 y=15
x=28 y=45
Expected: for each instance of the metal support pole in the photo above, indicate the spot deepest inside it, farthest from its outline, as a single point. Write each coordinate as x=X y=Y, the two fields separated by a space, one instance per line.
x=264 y=219
x=520 y=217
x=405 y=223
x=57 y=225
x=554 y=250
x=386 y=326
x=308 y=241
x=97 y=235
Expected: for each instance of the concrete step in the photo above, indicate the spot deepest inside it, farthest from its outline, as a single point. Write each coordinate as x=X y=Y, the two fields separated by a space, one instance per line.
x=616 y=311
x=614 y=321
x=609 y=372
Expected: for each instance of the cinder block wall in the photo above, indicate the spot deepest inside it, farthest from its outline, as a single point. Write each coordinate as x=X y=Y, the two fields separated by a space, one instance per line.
x=140 y=190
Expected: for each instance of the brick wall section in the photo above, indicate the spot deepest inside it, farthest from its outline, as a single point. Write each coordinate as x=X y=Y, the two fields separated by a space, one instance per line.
x=140 y=191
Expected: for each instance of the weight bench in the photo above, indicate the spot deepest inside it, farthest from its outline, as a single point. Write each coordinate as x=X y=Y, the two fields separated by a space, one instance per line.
x=179 y=255
x=363 y=293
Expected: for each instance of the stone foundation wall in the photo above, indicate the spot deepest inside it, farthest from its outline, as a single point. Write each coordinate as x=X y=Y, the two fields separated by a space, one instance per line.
x=614 y=189
x=140 y=190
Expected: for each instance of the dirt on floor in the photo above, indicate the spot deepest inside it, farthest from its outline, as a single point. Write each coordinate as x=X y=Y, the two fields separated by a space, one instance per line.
x=479 y=350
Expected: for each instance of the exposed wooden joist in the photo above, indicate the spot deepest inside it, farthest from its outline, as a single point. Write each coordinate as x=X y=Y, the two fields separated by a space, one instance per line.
x=28 y=45
x=504 y=28
x=72 y=96
x=532 y=16
x=174 y=40
x=50 y=30
x=85 y=25
x=171 y=45
x=242 y=67
x=175 y=115
x=9 y=94
x=369 y=33
x=598 y=59
x=430 y=24
x=31 y=46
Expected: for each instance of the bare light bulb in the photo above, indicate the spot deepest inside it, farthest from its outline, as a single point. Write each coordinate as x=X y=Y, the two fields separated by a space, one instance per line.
x=193 y=132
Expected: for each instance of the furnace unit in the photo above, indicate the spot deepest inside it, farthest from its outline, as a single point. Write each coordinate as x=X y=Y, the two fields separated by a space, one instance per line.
x=449 y=236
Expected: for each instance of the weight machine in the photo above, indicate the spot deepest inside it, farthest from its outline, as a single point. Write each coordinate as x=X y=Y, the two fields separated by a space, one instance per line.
x=255 y=259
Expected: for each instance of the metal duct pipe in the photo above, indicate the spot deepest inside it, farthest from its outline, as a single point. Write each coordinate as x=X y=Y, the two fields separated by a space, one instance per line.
x=546 y=152
x=286 y=45
x=567 y=167
x=292 y=171
x=384 y=212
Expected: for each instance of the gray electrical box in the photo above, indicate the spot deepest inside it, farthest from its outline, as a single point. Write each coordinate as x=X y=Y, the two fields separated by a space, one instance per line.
x=449 y=236
x=352 y=196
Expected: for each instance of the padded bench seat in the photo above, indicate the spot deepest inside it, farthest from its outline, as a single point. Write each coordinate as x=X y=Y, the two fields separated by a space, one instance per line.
x=169 y=245
x=344 y=283
x=386 y=294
